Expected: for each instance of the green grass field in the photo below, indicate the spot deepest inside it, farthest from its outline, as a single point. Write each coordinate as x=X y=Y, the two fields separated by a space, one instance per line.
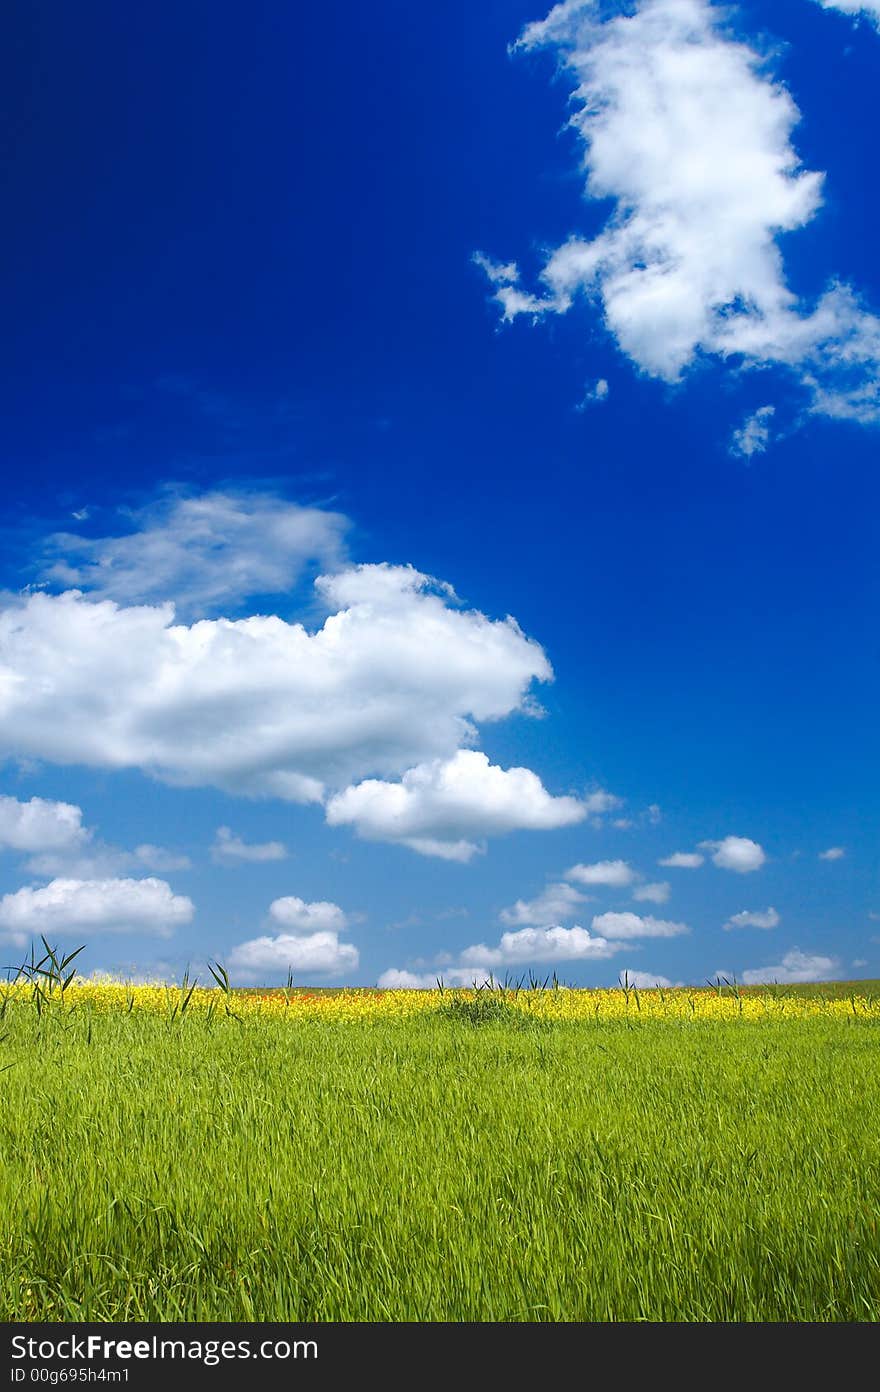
x=423 y=1169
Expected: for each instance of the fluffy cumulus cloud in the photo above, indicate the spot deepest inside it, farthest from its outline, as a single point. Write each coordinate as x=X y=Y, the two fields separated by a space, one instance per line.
x=795 y=966
x=40 y=825
x=655 y=893
x=299 y=916
x=439 y=808
x=94 y=906
x=631 y=925
x=229 y=849
x=268 y=957
x=611 y=933
x=686 y=132
x=308 y=943
x=201 y=552
x=833 y=853
x=682 y=860
x=736 y=853
x=553 y=944
x=556 y=903
x=754 y=918
x=612 y=873
x=395 y=678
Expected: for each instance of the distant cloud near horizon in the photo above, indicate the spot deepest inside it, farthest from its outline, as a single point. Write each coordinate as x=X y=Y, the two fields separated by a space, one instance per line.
x=833 y=853
x=266 y=958
x=796 y=966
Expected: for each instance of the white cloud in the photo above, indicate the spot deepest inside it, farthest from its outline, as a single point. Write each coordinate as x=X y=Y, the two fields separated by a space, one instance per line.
x=395 y=678
x=753 y=436
x=40 y=825
x=552 y=944
x=299 y=916
x=158 y=858
x=643 y=980
x=594 y=395
x=439 y=807
x=98 y=861
x=657 y=893
x=597 y=803
x=860 y=961
x=555 y=903
x=229 y=849
x=319 y=952
x=684 y=129
x=682 y=860
x=96 y=906
x=736 y=853
x=833 y=853
x=201 y=552
x=615 y=873
x=630 y=925
x=795 y=966
x=397 y=980
x=755 y=918
x=869 y=8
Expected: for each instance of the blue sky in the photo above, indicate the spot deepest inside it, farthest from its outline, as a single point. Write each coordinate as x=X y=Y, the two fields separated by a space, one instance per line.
x=441 y=487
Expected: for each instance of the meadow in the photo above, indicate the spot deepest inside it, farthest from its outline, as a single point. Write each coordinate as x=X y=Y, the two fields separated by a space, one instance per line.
x=539 y=1154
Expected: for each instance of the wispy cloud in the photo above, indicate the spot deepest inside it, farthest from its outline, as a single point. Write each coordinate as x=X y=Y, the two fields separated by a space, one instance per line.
x=229 y=849
x=655 y=893
x=682 y=860
x=754 y=918
x=203 y=552
x=870 y=9
x=753 y=436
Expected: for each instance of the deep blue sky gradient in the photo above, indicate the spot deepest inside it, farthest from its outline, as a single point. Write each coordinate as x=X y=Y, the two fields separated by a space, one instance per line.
x=238 y=249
